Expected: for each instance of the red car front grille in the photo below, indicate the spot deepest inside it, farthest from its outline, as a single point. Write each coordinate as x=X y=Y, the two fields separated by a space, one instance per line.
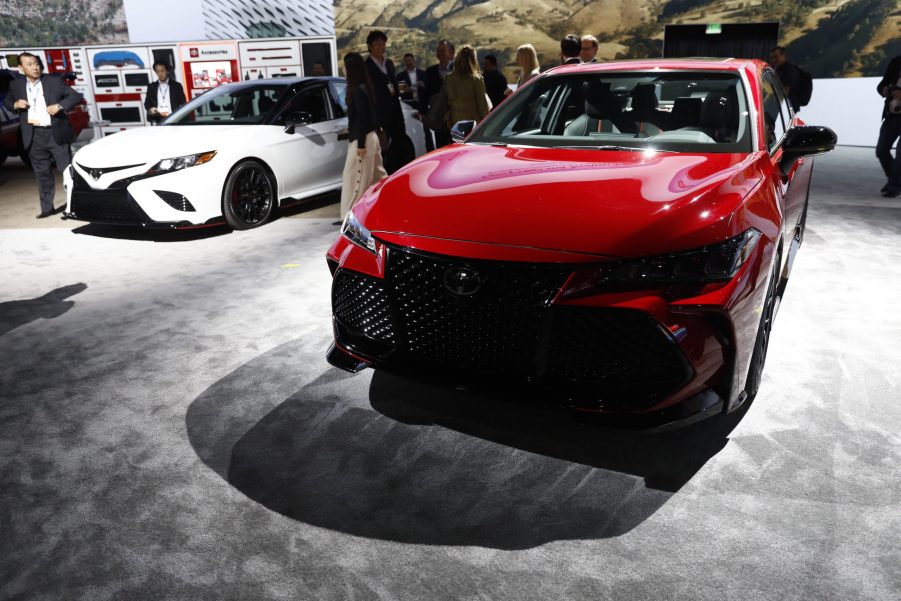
x=507 y=327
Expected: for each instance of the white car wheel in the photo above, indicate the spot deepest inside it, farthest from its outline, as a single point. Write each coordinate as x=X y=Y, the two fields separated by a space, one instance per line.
x=248 y=199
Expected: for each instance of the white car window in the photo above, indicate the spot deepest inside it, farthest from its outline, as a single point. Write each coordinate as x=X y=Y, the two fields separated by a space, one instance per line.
x=242 y=104
x=312 y=100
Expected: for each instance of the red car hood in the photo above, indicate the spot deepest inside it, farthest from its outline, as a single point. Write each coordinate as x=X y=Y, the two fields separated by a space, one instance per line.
x=612 y=203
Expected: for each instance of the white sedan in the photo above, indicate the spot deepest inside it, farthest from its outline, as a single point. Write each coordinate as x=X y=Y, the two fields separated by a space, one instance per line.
x=237 y=152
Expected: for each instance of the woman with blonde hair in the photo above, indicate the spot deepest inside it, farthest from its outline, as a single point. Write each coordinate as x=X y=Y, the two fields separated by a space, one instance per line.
x=466 y=96
x=527 y=60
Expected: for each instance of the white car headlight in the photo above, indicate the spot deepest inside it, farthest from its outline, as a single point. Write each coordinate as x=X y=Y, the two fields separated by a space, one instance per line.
x=354 y=231
x=178 y=163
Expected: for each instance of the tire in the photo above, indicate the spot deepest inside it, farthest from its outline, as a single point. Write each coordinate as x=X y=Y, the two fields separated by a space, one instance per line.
x=2 y=158
x=762 y=342
x=248 y=199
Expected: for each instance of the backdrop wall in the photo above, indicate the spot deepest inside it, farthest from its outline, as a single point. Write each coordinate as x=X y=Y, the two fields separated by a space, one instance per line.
x=850 y=106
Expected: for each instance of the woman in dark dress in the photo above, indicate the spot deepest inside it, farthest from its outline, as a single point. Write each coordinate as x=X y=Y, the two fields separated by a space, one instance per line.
x=363 y=166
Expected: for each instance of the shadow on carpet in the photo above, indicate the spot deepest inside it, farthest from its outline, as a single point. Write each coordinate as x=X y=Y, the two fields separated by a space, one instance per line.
x=14 y=314
x=386 y=458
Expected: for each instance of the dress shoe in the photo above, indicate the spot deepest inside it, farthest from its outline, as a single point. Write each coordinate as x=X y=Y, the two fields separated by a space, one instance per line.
x=891 y=193
x=58 y=209
x=45 y=214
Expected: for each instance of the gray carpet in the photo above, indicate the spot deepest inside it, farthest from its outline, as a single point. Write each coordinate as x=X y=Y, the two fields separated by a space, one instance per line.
x=169 y=429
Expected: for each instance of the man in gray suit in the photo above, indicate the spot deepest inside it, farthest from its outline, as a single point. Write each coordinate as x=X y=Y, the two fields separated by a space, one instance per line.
x=42 y=101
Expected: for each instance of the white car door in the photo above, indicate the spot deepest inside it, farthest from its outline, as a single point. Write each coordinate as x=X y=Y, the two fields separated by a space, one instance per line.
x=311 y=157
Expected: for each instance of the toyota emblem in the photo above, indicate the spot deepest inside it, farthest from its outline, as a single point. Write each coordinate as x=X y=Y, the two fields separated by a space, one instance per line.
x=462 y=281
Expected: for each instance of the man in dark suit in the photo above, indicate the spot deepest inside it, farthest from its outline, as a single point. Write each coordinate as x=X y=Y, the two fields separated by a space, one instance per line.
x=570 y=48
x=495 y=82
x=164 y=96
x=412 y=88
x=434 y=81
x=42 y=101
x=890 y=89
x=387 y=102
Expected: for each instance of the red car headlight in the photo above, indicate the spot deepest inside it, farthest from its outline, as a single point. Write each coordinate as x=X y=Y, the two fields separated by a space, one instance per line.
x=678 y=275
x=712 y=263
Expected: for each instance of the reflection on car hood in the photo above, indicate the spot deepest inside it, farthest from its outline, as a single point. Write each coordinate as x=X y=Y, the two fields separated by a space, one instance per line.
x=150 y=144
x=615 y=203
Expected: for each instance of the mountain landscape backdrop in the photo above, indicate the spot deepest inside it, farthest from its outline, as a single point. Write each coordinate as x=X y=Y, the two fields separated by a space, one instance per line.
x=829 y=38
x=30 y=23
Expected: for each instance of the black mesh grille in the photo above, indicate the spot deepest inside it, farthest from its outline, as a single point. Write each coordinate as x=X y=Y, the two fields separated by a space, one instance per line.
x=613 y=346
x=495 y=329
x=113 y=206
x=507 y=326
x=360 y=303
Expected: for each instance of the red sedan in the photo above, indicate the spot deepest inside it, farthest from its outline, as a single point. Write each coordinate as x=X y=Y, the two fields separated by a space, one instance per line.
x=616 y=237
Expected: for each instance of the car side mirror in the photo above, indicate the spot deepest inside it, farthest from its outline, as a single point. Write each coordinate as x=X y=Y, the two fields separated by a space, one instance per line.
x=295 y=118
x=805 y=140
x=461 y=129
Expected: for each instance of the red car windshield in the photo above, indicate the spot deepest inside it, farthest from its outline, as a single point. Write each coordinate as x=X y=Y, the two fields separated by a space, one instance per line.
x=681 y=111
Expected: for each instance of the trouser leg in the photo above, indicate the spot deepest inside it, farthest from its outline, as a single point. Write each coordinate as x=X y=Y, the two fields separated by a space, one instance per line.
x=429 y=142
x=888 y=133
x=895 y=178
x=40 y=155
x=442 y=137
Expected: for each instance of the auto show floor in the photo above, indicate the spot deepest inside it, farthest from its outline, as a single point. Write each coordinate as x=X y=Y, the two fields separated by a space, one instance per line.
x=169 y=429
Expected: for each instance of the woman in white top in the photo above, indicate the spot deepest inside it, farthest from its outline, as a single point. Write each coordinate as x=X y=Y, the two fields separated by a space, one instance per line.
x=527 y=60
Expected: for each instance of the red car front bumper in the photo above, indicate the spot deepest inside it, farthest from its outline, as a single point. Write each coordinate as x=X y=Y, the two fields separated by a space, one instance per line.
x=641 y=359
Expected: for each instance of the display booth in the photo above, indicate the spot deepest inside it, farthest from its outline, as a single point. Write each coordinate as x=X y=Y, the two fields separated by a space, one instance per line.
x=114 y=78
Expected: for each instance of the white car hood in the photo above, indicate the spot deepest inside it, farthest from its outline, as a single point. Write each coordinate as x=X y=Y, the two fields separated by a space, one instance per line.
x=151 y=144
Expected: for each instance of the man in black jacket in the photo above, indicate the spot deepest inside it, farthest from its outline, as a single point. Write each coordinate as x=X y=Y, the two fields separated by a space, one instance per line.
x=434 y=81
x=42 y=101
x=387 y=102
x=164 y=96
x=789 y=75
x=890 y=89
x=495 y=82
x=412 y=88
x=570 y=48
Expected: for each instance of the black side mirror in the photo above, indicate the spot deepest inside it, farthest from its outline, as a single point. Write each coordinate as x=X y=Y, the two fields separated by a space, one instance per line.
x=461 y=129
x=805 y=140
x=295 y=118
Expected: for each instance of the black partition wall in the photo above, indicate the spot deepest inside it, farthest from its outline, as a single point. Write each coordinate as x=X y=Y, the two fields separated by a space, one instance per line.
x=736 y=40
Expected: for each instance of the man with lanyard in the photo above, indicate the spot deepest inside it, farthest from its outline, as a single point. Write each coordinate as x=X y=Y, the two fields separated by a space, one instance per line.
x=890 y=132
x=164 y=96
x=42 y=101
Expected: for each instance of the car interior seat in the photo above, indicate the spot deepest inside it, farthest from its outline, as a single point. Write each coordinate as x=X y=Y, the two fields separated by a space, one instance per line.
x=265 y=104
x=686 y=113
x=644 y=109
x=603 y=113
x=719 y=115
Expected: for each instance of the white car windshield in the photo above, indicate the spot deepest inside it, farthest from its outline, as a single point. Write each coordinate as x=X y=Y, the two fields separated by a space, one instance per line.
x=682 y=111
x=240 y=104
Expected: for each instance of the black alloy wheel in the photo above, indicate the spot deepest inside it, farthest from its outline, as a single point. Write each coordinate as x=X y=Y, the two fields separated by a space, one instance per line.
x=249 y=197
x=762 y=342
